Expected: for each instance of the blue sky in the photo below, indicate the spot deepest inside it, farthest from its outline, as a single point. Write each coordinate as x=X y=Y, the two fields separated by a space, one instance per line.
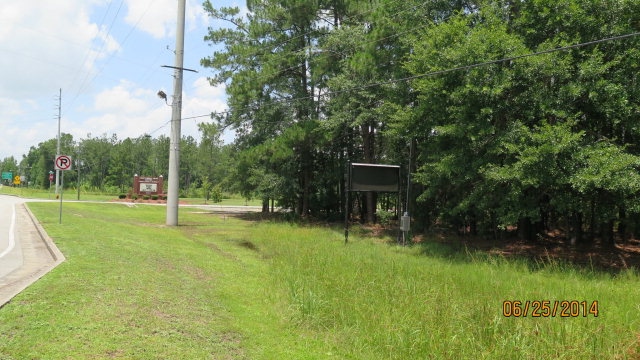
x=106 y=56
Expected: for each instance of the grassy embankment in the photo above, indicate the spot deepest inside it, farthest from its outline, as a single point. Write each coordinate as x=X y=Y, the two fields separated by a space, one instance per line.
x=224 y=288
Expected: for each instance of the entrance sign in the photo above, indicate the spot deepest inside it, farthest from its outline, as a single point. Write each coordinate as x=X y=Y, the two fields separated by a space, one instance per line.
x=146 y=185
x=62 y=162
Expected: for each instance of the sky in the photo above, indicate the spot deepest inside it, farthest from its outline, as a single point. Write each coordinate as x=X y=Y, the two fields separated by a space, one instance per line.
x=106 y=56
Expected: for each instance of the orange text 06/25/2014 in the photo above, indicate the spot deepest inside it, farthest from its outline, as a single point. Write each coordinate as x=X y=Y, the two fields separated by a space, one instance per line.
x=549 y=308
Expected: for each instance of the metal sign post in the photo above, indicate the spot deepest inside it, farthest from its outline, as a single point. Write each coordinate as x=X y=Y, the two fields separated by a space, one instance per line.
x=62 y=163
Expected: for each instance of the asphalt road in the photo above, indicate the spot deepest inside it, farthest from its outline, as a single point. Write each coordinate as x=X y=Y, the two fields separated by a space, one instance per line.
x=10 y=254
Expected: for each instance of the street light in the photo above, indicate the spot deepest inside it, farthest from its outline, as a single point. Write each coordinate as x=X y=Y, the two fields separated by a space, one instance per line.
x=163 y=96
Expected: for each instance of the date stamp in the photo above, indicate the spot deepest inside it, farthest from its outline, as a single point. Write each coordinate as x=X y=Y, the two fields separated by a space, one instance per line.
x=549 y=308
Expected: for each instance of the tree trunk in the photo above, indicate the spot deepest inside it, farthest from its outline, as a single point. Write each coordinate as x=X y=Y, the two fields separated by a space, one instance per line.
x=575 y=229
x=622 y=225
x=608 y=233
x=368 y=139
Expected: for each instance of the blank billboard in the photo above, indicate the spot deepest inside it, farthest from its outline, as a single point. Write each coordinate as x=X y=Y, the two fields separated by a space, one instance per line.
x=374 y=177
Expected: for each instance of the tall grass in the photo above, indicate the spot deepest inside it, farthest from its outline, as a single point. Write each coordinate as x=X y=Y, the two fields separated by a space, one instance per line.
x=387 y=302
x=223 y=288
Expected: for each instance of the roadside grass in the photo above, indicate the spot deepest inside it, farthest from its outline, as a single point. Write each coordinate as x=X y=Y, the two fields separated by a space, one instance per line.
x=67 y=194
x=220 y=287
x=71 y=194
x=233 y=200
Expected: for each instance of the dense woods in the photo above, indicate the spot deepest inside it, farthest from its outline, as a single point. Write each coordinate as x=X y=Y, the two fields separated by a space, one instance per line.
x=512 y=115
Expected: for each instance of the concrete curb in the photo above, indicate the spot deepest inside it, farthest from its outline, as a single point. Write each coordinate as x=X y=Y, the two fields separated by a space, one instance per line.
x=40 y=256
x=57 y=255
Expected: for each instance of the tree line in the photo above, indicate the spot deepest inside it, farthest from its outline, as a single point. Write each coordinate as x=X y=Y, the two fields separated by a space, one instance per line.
x=508 y=115
x=520 y=114
x=107 y=164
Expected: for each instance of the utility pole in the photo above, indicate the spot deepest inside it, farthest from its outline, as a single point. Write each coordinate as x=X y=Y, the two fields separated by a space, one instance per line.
x=58 y=146
x=176 y=122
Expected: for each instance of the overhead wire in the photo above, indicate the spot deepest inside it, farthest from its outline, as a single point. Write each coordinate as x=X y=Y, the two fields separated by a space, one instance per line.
x=452 y=69
x=104 y=42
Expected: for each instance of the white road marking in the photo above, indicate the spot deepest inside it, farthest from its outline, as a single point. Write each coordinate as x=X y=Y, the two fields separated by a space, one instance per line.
x=12 y=240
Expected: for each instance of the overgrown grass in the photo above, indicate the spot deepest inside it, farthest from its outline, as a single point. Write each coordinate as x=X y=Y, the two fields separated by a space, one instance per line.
x=222 y=288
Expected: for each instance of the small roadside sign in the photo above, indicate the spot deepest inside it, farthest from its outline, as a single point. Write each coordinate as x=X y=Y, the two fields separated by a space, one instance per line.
x=16 y=180
x=63 y=162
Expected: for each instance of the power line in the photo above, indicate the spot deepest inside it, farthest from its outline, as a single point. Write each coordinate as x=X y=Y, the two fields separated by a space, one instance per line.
x=508 y=59
x=444 y=71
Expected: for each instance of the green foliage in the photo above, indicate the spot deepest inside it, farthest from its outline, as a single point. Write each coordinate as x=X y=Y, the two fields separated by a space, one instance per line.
x=216 y=194
x=504 y=128
x=385 y=217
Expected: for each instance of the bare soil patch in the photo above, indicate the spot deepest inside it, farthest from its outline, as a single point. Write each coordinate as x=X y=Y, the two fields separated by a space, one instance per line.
x=622 y=255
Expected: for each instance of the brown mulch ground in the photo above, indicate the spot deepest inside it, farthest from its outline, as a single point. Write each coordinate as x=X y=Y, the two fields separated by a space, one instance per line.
x=141 y=201
x=622 y=255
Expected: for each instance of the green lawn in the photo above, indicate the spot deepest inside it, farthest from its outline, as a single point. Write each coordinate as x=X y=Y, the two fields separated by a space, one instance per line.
x=72 y=194
x=218 y=287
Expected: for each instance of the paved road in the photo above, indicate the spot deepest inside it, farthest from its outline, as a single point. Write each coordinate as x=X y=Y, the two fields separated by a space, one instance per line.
x=10 y=254
x=26 y=251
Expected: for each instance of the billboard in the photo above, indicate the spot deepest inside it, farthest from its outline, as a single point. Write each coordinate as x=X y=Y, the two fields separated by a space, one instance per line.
x=374 y=177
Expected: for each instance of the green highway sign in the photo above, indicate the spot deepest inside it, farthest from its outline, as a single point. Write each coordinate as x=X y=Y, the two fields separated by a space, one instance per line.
x=7 y=175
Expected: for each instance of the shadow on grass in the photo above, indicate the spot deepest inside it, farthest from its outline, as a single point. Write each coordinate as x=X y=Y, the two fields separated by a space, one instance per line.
x=543 y=254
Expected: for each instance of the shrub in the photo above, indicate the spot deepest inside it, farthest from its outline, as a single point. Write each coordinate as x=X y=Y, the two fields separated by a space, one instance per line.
x=385 y=217
x=154 y=197
x=146 y=197
x=216 y=194
x=122 y=196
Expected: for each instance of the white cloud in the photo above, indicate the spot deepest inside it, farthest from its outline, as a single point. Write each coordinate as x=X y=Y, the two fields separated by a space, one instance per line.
x=46 y=43
x=125 y=110
x=82 y=47
x=131 y=111
x=199 y=101
x=158 y=17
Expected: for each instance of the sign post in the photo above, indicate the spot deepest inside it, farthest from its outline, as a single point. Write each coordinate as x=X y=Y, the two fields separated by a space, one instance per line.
x=50 y=181
x=62 y=163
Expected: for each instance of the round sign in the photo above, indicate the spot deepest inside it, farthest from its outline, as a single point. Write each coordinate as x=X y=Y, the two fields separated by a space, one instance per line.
x=51 y=177
x=63 y=162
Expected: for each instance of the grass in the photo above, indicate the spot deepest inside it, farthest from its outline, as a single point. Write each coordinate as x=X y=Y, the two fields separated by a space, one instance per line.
x=72 y=194
x=224 y=288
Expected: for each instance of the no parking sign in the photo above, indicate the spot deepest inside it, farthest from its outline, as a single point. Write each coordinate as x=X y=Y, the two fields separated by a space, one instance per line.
x=62 y=162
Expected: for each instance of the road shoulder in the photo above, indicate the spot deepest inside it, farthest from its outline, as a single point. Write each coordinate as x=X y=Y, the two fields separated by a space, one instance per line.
x=40 y=255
